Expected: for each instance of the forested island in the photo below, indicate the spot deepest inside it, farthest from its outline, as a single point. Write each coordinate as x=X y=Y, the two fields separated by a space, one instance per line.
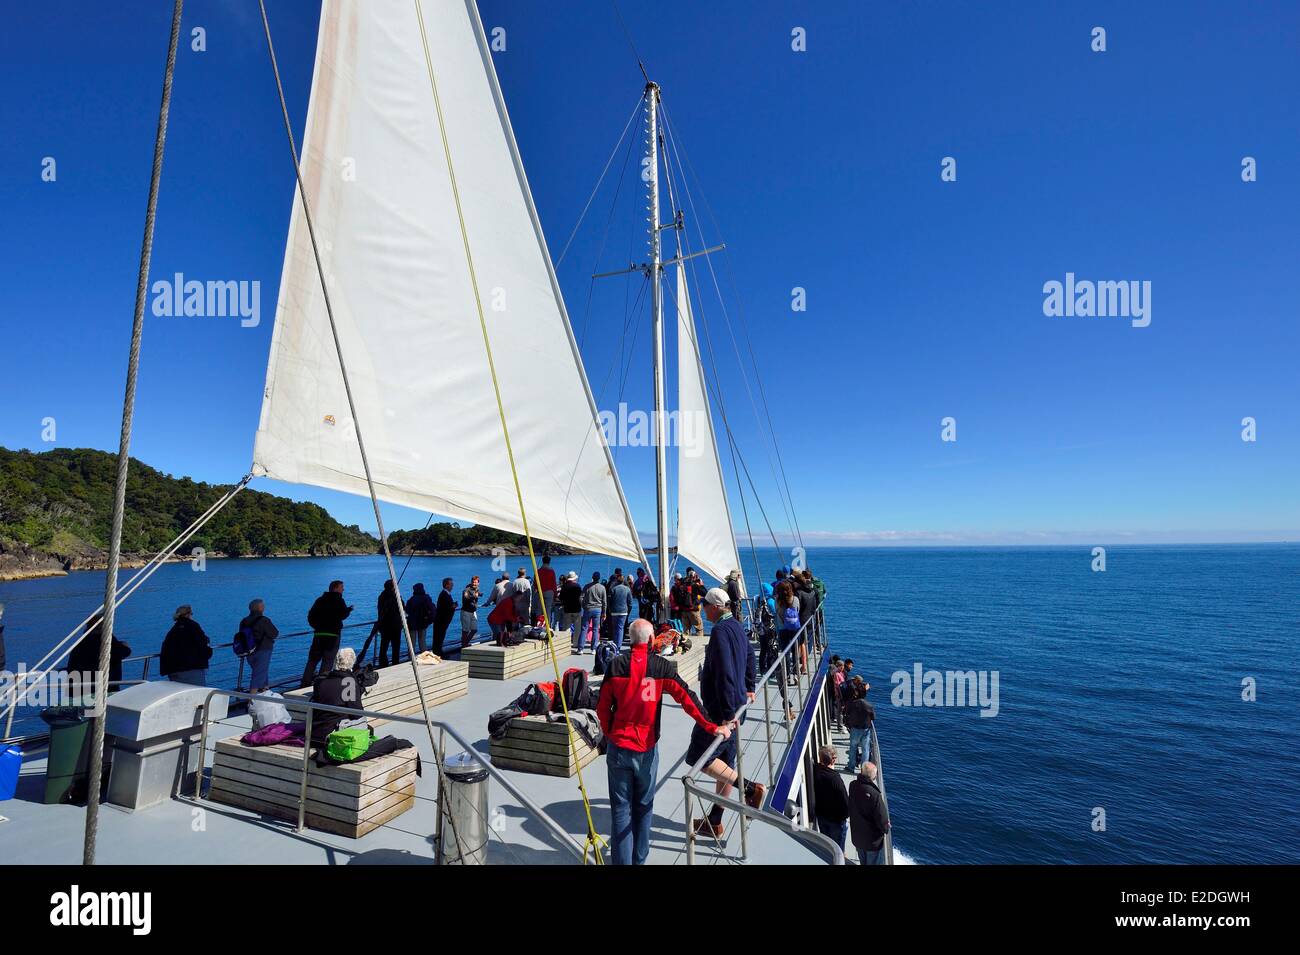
x=56 y=514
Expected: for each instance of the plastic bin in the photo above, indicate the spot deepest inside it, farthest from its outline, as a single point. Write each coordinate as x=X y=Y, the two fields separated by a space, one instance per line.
x=11 y=761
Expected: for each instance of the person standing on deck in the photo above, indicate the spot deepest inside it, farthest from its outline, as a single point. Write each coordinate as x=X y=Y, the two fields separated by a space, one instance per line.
x=389 y=623
x=733 y=594
x=594 y=602
x=620 y=606
x=419 y=615
x=694 y=601
x=264 y=633
x=807 y=610
x=443 y=615
x=571 y=606
x=787 y=621
x=469 y=612
x=326 y=621
x=650 y=600
x=521 y=590
x=84 y=657
x=858 y=716
x=186 y=650
x=638 y=584
x=830 y=798
x=679 y=602
x=548 y=585
x=630 y=710
x=727 y=682
x=494 y=599
x=868 y=817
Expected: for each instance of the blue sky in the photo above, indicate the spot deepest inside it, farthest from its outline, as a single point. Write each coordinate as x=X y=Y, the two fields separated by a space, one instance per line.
x=925 y=298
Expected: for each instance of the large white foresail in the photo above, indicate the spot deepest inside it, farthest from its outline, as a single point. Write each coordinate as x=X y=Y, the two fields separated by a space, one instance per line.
x=704 y=532
x=378 y=182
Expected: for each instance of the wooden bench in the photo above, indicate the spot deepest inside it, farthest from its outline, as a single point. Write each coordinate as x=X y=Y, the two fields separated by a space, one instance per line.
x=487 y=661
x=689 y=663
x=395 y=692
x=533 y=744
x=348 y=800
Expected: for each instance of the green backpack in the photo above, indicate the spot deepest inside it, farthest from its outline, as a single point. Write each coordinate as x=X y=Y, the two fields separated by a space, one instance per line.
x=347 y=744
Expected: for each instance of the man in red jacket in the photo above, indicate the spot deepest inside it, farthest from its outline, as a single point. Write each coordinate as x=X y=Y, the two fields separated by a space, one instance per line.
x=630 y=708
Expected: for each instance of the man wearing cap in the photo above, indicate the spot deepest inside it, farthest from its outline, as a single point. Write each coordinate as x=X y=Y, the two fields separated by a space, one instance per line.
x=728 y=677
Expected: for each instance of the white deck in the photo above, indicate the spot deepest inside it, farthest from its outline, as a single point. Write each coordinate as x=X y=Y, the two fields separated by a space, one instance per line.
x=185 y=831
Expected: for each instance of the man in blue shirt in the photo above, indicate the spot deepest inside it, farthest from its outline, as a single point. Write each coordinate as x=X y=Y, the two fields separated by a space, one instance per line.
x=728 y=677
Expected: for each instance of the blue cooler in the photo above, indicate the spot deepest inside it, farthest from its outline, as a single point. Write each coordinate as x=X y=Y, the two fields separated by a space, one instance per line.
x=11 y=760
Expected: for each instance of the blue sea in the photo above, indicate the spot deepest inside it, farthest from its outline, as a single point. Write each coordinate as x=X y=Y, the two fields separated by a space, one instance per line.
x=1121 y=733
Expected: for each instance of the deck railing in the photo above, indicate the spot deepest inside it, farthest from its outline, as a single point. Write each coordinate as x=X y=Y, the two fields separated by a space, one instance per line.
x=803 y=737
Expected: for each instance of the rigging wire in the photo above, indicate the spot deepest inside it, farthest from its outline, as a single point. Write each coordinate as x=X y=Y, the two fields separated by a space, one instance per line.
x=578 y=225
x=124 y=449
x=715 y=389
x=680 y=153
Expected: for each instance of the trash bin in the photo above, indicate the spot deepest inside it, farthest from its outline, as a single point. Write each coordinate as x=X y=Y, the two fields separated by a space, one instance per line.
x=67 y=765
x=463 y=811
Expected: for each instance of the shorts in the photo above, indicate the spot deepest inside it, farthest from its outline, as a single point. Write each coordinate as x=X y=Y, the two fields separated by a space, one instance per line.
x=701 y=740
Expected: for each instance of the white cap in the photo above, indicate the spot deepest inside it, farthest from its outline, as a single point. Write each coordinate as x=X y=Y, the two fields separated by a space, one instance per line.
x=718 y=597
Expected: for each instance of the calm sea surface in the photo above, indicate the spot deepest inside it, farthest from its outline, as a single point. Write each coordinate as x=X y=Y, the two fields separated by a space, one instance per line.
x=1119 y=693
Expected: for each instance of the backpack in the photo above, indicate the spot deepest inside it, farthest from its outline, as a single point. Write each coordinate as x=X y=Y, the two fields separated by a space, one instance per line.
x=499 y=721
x=510 y=638
x=790 y=618
x=347 y=744
x=605 y=654
x=245 y=642
x=574 y=683
x=536 y=699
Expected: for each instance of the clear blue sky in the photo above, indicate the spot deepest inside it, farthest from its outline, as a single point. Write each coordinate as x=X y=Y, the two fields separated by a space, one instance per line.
x=823 y=167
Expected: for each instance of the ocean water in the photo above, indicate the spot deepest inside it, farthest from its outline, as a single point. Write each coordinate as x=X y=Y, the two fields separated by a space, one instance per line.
x=1119 y=693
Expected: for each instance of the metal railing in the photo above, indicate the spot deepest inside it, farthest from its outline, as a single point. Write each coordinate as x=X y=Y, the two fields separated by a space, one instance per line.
x=813 y=630
x=556 y=830
x=147 y=659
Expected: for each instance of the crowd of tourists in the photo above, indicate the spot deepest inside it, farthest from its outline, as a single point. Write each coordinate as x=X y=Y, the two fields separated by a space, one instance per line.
x=636 y=679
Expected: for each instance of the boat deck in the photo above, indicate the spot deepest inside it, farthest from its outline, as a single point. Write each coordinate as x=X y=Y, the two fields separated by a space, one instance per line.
x=185 y=830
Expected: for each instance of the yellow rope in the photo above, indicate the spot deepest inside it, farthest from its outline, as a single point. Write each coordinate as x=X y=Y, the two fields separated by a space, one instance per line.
x=594 y=841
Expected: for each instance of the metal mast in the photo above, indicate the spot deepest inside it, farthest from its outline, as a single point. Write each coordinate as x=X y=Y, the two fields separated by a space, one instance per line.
x=651 y=175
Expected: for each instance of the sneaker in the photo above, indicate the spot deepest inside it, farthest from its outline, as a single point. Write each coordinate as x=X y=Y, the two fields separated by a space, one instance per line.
x=754 y=798
x=705 y=828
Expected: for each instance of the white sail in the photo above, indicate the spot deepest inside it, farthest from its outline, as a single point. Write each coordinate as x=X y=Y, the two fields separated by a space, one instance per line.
x=704 y=532
x=379 y=187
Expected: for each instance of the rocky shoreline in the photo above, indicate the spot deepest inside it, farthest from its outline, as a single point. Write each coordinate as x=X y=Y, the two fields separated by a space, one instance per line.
x=29 y=564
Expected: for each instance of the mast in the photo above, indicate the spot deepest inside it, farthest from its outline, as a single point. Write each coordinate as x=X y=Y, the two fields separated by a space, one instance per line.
x=657 y=298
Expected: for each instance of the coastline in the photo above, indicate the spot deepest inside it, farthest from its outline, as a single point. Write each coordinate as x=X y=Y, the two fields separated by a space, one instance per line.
x=15 y=567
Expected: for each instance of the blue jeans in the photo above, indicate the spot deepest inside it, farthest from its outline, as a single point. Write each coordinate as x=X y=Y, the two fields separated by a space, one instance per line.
x=631 y=802
x=838 y=831
x=859 y=748
x=259 y=667
x=617 y=621
x=594 y=617
x=872 y=857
